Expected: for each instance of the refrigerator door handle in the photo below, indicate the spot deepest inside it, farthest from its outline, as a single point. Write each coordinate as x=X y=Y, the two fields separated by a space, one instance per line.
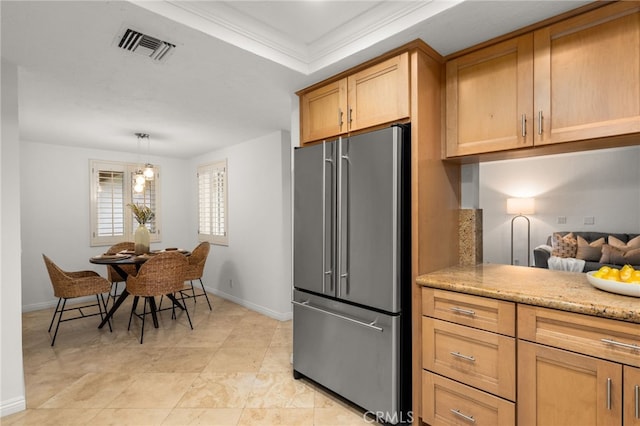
x=328 y=162
x=343 y=225
x=371 y=324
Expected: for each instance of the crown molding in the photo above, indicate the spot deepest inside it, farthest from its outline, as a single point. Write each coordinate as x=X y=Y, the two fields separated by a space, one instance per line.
x=227 y=24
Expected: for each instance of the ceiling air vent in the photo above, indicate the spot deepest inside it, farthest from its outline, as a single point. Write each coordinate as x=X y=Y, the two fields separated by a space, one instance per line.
x=143 y=44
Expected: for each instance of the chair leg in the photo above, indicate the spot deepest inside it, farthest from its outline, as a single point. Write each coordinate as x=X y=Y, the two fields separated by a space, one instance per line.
x=133 y=308
x=105 y=310
x=54 y=314
x=186 y=310
x=193 y=292
x=205 y=293
x=114 y=288
x=64 y=302
x=144 y=314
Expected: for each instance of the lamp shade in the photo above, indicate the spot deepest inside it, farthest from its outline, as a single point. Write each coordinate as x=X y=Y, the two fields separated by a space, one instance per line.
x=520 y=206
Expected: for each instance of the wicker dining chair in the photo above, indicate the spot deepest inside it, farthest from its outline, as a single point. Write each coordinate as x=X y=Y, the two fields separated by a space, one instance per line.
x=112 y=274
x=195 y=270
x=161 y=275
x=69 y=285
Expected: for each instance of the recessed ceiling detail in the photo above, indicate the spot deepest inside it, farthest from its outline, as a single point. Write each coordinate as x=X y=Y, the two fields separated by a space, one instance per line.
x=145 y=45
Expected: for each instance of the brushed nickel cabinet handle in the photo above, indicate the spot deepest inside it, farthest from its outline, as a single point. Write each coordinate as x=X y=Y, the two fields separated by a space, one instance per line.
x=540 y=122
x=636 y=391
x=621 y=344
x=608 y=393
x=464 y=416
x=465 y=357
x=523 y=122
x=340 y=117
x=463 y=311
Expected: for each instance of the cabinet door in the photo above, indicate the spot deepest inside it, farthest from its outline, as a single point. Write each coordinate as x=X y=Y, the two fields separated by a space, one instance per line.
x=322 y=111
x=490 y=98
x=379 y=94
x=631 y=396
x=556 y=387
x=587 y=75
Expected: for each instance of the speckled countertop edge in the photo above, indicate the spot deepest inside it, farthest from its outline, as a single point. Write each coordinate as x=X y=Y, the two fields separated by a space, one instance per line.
x=566 y=291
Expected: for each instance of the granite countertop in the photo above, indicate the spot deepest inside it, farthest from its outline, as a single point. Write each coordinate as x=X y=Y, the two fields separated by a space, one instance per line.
x=567 y=291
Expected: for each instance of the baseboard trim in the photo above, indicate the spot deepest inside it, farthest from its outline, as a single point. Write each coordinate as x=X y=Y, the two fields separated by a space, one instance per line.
x=12 y=406
x=280 y=316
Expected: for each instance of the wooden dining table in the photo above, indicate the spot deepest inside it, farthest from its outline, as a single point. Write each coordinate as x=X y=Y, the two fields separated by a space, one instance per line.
x=116 y=261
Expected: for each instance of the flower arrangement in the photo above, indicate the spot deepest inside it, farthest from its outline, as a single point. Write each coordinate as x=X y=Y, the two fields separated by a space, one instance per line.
x=143 y=214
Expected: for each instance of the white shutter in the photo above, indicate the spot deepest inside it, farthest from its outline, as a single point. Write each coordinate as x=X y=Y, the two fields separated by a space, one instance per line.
x=110 y=203
x=212 y=203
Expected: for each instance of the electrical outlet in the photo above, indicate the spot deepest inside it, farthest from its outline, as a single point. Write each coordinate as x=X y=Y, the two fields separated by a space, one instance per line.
x=230 y=282
x=589 y=220
x=516 y=262
x=562 y=220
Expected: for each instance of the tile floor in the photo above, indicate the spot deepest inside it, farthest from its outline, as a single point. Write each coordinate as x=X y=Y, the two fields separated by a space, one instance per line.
x=232 y=369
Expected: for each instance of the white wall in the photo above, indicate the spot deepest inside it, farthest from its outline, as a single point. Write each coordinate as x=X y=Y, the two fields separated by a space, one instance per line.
x=254 y=270
x=55 y=212
x=603 y=184
x=12 y=391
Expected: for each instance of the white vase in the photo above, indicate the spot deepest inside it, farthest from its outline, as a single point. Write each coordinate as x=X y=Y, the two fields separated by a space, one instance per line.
x=141 y=239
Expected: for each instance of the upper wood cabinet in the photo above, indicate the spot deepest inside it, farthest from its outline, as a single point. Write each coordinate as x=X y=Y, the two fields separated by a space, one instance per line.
x=379 y=94
x=375 y=95
x=587 y=75
x=578 y=79
x=322 y=111
x=490 y=98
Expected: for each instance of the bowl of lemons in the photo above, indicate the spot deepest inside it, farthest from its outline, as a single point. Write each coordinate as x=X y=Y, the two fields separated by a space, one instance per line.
x=625 y=280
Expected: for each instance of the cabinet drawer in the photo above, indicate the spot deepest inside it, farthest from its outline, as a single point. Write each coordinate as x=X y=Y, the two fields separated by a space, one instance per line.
x=445 y=402
x=493 y=315
x=600 y=337
x=475 y=357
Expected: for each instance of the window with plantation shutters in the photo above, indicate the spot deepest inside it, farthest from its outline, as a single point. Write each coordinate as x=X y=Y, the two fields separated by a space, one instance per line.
x=212 y=203
x=110 y=203
x=111 y=190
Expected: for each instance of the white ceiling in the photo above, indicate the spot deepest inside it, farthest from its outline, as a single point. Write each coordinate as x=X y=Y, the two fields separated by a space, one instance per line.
x=233 y=74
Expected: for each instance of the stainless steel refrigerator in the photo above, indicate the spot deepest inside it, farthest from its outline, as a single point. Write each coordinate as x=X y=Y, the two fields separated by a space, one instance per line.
x=352 y=251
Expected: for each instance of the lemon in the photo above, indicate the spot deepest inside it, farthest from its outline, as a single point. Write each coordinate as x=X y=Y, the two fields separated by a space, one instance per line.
x=613 y=275
x=604 y=270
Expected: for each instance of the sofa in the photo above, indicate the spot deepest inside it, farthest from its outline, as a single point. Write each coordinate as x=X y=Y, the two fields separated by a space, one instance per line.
x=597 y=249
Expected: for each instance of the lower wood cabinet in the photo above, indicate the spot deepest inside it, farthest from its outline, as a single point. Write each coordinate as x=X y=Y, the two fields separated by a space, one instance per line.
x=468 y=360
x=447 y=402
x=631 y=396
x=558 y=368
x=557 y=387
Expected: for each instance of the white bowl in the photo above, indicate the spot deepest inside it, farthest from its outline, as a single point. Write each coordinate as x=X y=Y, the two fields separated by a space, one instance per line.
x=613 y=286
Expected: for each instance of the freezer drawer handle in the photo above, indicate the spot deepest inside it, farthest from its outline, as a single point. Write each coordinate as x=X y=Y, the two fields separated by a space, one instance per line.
x=371 y=324
x=467 y=357
x=464 y=416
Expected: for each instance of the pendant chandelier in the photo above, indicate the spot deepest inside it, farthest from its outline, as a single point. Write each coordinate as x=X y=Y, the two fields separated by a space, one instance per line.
x=142 y=175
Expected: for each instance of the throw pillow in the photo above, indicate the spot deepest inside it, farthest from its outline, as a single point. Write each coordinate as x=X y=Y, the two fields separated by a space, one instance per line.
x=618 y=256
x=591 y=252
x=631 y=244
x=564 y=246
